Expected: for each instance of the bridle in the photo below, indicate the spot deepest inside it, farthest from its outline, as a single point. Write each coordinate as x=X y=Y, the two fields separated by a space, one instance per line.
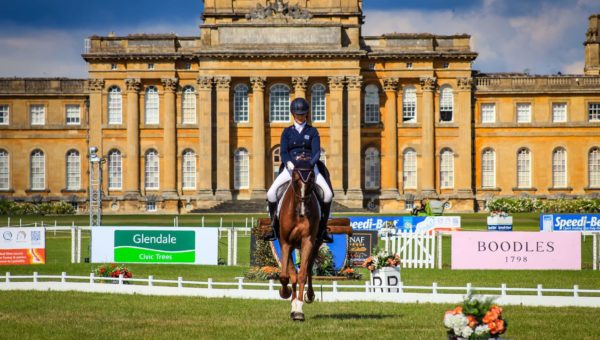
x=305 y=176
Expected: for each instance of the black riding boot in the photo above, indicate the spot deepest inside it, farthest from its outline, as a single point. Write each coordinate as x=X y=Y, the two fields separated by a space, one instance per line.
x=323 y=225
x=272 y=234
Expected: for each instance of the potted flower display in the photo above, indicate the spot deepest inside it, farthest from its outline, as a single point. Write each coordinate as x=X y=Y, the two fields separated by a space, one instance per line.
x=385 y=270
x=113 y=270
x=476 y=319
x=499 y=221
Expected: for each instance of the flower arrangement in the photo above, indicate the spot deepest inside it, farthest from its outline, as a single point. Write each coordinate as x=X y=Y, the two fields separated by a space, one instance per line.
x=263 y=273
x=380 y=260
x=350 y=273
x=113 y=270
x=475 y=319
x=499 y=213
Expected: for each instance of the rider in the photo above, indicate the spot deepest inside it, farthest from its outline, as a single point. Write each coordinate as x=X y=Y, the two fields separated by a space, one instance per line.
x=297 y=140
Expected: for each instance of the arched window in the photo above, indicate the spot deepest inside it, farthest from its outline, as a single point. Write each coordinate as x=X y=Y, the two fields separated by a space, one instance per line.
x=188 y=105
x=559 y=168
x=447 y=169
x=524 y=168
x=372 y=169
x=115 y=106
x=240 y=103
x=488 y=169
x=4 y=170
x=38 y=170
x=409 y=104
x=280 y=103
x=372 y=104
x=189 y=170
x=318 y=103
x=446 y=103
x=152 y=170
x=115 y=170
x=276 y=160
x=594 y=167
x=151 y=112
x=241 y=169
x=323 y=157
x=409 y=171
x=73 y=170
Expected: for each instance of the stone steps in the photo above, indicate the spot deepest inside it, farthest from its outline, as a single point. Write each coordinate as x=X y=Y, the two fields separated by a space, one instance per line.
x=260 y=206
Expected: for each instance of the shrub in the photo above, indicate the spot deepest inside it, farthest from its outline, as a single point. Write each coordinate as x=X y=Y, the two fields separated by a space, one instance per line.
x=523 y=205
x=27 y=208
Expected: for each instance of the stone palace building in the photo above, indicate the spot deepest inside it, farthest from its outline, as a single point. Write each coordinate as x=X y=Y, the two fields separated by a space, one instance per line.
x=187 y=123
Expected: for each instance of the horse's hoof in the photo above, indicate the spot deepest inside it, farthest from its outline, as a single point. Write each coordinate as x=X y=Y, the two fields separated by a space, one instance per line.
x=297 y=316
x=309 y=297
x=285 y=292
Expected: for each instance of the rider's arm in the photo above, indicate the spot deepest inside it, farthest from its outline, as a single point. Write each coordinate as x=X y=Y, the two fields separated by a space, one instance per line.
x=283 y=147
x=315 y=148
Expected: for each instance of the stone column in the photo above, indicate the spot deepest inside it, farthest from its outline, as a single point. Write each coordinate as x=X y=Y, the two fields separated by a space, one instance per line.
x=389 y=169
x=428 y=85
x=95 y=86
x=462 y=116
x=170 y=138
x=336 y=134
x=223 y=149
x=354 y=137
x=300 y=84
x=205 y=152
x=258 y=138
x=132 y=171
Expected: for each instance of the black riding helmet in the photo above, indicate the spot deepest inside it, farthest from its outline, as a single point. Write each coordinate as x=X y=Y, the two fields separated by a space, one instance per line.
x=299 y=106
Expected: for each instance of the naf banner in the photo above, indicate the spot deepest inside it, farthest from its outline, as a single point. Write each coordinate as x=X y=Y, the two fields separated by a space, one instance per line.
x=415 y=224
x=570 y=222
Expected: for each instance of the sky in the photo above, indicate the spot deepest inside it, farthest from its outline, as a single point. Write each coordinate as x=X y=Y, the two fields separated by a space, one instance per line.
x=41 y=38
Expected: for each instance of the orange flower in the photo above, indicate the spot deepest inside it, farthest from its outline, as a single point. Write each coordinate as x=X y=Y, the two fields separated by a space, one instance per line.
x=496 y=309
x=472 y=321
x=490 y=316
x=457 y=310
x=496 y=327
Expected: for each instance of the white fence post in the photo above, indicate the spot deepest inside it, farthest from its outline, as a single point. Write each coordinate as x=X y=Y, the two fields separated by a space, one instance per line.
x=78 y=244
x=210 y=283
x=229 y=246
x=235 y=246
x=503 y=289
x=150 y=279
x=35 y=277
x=576 y=290
x=7 y=278
x=63 y=277
x=92 y=278
x=73 y=251
x=539 y=290
x=180 y=282
x=439 y=250
x=595 y=251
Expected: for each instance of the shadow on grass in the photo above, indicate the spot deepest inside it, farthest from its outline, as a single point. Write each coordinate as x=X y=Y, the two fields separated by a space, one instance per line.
x=355 y=316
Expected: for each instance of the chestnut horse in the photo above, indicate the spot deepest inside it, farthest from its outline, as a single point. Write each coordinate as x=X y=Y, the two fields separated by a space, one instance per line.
x=299 y=218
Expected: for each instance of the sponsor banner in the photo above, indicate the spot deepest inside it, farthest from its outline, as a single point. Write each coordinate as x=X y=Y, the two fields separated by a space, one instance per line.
x=338 y=249
x=570 y=222
x=361 y=245
x=22 y=246
x=516 y=250
x=155 y=245
x=416 y=224
x=497 y=223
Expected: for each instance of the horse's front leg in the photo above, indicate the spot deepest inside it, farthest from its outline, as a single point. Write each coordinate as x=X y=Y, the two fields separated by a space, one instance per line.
x=310 y=293
x=285 y=292
x=307 y=249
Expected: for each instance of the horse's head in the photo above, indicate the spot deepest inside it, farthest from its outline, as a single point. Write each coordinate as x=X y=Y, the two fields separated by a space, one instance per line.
x=303 y=181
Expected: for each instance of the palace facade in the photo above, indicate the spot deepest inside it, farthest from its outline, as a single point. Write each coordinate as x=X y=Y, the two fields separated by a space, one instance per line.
x=186 y=123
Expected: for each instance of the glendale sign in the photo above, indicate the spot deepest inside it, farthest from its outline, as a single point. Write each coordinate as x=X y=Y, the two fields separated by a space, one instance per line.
x=516 y=250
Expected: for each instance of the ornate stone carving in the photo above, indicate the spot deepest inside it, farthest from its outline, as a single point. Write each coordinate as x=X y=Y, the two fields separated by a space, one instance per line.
x=336 y=83
x=205 y=82
x=354 y=82
x=300 y=83
x=133 y=84
x=223 y=82
x=390 y=84
x=465 y=84
x=170 y=84
x=591 y=36
x=258 y=83
x=428 y=83
x=95 y=84
x=278 y=10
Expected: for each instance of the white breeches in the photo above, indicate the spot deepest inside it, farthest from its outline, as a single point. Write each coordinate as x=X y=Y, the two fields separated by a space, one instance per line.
x=285 y=176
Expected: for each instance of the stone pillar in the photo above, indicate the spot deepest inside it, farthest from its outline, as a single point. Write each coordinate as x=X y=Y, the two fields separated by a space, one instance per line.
x=223 y=149
x=428 y=85
x=258 y=138
x=132 y=171
x=170 y=138
x=354 y=137
x=463 y=167
x=300 y=84
x=336 y=134
x=95 y=86
x=389 y=169
x=205 y=152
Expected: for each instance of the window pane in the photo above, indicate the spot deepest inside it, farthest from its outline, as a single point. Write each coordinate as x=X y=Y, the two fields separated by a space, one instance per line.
x=189 y=170
x=276 y=161
x=319 y=103
x=524 y=169
x=594 y=168
x=488 y=113
x=488 y=169
x=73 y=114
x=241 y=165
x=115 y=170
x=38 y=114
x=409 y=162
x=4 y=170
x=240 y=104
x=115 y=106
x=594 y=112
x=446 y=104
x=38 y=170
x=4 y=111
x=188 y=109
x=152 y=170
x=372 y=104
x=559 y=168
x=372 y=169
x=447 y=169
x=409 y=104
x=73 y=171
x=280 y=103
x=523 y=113
x=152 y=104
x=559 y=112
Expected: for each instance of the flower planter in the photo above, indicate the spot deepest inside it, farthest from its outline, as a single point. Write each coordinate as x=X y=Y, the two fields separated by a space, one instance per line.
x=386 y=277
x=500 y=223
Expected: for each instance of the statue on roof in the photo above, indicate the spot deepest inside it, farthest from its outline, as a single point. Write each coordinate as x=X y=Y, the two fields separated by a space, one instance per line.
x=278 y=10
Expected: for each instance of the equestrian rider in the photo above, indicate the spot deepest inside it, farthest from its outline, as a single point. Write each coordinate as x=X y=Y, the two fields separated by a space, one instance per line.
x=297 y=140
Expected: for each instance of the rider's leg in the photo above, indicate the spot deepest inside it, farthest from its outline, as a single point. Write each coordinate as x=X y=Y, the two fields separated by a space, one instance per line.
x=283 y=177
x=327 y=200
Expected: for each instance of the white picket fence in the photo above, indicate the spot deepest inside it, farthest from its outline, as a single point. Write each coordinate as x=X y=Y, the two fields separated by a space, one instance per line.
x=415 y=250
x=538 y=296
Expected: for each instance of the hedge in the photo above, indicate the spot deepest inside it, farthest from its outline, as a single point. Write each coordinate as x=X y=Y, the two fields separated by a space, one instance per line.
x=26 y=208
x=524 y=205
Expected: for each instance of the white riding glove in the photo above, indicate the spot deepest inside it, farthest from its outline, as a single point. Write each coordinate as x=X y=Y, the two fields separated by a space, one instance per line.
x=290 y=165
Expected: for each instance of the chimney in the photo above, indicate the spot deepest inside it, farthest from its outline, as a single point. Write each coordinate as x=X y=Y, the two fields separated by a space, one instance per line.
x=592 y=46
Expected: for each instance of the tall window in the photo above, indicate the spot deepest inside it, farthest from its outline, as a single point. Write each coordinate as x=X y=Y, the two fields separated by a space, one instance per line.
x=409 y=104
x=38 y=170
x=594 y=112
x=447 y=169
x=559 y=168
x=4 y=170
x=241 y=169
x=488 y=169
x=523 y=113
x=372 y=169
x=189 y=170
x=152 y=170
x=4 y=114
x=115 y=106
x=559 y=112
x=240 y=103
x=279 y=100
x=188 y=106
x=446 y=103
x=594 y=167
x=323 y=157
x=73 y=170
x=488 y=113
x=151 y=112
x=409 y=170
x=276 y=160
x=73 y=114
x=115 y=170
x=38 y=114
x=524 y=169
x=318 y=103
x=372 y=104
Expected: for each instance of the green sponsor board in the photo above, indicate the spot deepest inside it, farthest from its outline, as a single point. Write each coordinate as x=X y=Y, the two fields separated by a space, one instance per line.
x=151 y=246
